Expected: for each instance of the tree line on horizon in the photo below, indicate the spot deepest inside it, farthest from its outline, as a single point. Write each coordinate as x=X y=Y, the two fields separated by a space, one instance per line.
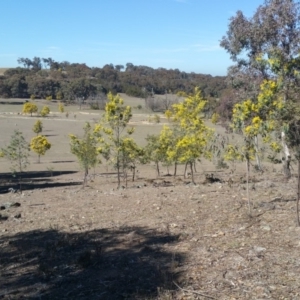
x=40 y=78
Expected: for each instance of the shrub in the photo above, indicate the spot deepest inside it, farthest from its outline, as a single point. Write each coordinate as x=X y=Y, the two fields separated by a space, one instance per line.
x=45 y=111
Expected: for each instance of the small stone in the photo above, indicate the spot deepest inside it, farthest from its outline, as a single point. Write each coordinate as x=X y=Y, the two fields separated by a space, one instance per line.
x=266 y=228
x=194 y=239
x=259 y=249
x=173 y=225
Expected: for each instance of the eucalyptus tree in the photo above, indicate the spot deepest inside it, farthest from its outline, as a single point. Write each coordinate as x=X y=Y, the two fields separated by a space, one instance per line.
x=267 y=45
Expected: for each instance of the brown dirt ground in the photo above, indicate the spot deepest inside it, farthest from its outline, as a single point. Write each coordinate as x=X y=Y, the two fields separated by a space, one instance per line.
x=159 y=238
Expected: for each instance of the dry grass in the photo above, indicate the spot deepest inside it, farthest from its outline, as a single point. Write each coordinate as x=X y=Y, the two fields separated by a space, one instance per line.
x=2 y=70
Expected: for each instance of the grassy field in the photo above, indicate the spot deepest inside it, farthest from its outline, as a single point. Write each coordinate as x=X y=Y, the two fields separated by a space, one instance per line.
x=57 y=127
x=2 y=70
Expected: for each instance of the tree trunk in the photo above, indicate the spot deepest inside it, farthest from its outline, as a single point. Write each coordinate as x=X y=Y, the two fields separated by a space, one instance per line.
x=194 y=164
x=133 y=173
x=286 y=159
x=86 y=172
x=118 y=170
x=298 y=193
x=257 y=158
x=168 y=171
x=157 y=169
x=175 y=169
x=185 y=169
x=248 y=196
x=192 y=172
x=125 y=175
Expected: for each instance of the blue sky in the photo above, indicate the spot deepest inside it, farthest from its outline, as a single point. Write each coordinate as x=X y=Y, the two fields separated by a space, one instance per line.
x=182 y=34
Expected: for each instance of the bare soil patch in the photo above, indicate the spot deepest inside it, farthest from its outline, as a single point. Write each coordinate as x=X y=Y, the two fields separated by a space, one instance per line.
x=159 y=238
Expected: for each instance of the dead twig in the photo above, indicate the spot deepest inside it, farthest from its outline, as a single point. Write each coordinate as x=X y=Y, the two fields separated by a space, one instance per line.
x=253 y=223
x=194 y=292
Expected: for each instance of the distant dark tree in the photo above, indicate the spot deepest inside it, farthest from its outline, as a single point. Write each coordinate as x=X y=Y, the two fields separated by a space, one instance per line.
x=64 y=64
x=16 y=71
x=42 y=88
x=80 y=90
x=109 y=66
x=26 y=62
x=17 y=86
x=46 y=62
x=77 y=71
x=4 y=89
x=119 y=67
x=129 y=67
x=51 y=63
x=36 y=64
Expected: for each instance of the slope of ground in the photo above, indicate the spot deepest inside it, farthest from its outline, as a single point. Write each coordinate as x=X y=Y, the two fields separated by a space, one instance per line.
x=163 y=238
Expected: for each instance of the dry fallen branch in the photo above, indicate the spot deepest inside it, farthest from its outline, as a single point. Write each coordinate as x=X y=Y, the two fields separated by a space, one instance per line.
x=194 y=292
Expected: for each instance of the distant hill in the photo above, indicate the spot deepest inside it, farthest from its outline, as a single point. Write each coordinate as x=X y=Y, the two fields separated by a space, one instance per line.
x=42 y=78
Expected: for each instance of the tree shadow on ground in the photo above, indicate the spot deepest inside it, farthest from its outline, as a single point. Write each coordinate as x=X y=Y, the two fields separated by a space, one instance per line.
x=62 y=161
x=33 y=180
x=34 y=174
x=118 y=263
x=12 y=102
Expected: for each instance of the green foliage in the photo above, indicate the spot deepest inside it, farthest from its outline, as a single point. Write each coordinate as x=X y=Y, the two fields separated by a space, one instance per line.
x=39 y=144
x=32 y=97
x=154 y=151
x=266 y=46
x=259 y=117
x=252 y=118
x=45 y=111
x=29 y=108
x=74 y=81
x=61 y=107
x=190 y=135
x=154 y=119
x=17 y=152
x=130 y=154
x=86 y=148
x=49 y=98
x=181 y=94
x=59 y=95
x=215 y=118
x=115 y=121
x=38 y=127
